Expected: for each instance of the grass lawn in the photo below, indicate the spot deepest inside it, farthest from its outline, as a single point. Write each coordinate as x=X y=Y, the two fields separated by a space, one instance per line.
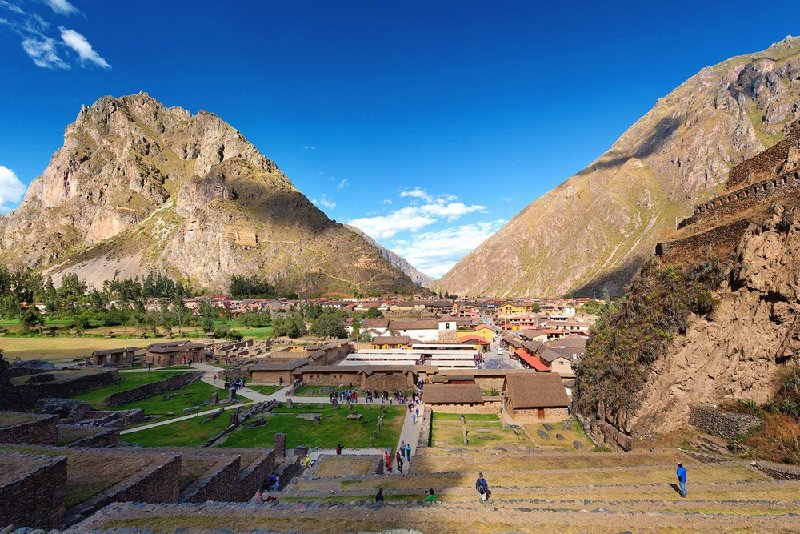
x=573 y=433
x=188 y=433
x=483 y=430
x=265 y=390
x=335 y=428
x=345 y=466
x=66 y=348
x=128 y=381
x=175 y=401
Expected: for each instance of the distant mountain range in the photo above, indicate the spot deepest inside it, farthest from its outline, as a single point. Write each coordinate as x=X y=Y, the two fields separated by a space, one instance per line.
x=594 y=230
x=419 y=278
x=139 y=186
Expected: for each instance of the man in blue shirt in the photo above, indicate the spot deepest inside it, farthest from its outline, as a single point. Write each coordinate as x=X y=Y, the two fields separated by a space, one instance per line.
x=681 y=472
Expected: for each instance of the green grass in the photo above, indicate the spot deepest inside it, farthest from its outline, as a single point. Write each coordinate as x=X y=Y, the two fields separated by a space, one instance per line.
x=265 y=390
x=187 y=433
x=335 y=428
x=192 y=395
x=128 y=381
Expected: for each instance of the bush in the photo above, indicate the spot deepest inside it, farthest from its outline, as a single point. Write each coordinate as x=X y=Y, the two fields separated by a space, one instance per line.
x=787 y=391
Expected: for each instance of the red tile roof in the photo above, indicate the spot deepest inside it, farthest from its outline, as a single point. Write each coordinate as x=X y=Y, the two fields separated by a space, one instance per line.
x=530 y=360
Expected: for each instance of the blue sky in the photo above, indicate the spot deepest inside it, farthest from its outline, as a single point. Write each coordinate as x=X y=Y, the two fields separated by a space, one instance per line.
x=428 y=124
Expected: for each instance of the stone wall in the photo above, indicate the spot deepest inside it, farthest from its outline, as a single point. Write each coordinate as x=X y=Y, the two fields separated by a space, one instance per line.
x=603 y=433
x=730 y=425
x=35 y=498
x=252 y=477
x=155 y=388
x=159 y=483
x=490 y=382
x=531 y=416
x=99 y=438
x=425 y=432
x=744 y=198
x=717 y=242
x=492 y=407
x=39 y=429
x=388 y=381
x=219 y=484
x=29 y=394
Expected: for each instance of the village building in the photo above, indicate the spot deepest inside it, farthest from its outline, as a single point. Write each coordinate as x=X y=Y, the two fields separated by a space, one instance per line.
x=535 y=397
x=392 y=342
x=118 y=357
x=277 y=372
x=453 y=396
x=175 y=353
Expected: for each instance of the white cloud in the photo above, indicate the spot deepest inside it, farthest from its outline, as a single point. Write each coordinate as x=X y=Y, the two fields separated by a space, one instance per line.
x=415 y=216
x=43 y=52
x=61 y=7
x=416 y=193
x=383 y=226
x=324 y=202
x=11 y=189
x=79 y=44
x=342 y=184
x=435 y=253
x=310 y=147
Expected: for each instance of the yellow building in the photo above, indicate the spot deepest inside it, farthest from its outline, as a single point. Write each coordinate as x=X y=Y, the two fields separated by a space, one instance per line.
x=516 y=308
x=482 y=331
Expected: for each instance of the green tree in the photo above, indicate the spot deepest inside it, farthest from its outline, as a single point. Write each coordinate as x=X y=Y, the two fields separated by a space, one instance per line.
x=32 y=319
x=329 y=325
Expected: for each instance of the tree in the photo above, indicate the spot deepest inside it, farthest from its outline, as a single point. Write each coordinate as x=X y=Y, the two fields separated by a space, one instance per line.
x=291 y=326
x=329 y=325
x=32 y=319
x=373 y=313
x=207 y=316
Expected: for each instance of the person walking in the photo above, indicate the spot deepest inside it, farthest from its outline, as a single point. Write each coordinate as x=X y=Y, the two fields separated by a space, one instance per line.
x=399 y=458
x=681 y=473
x=379 y=496
x=408 y=451
x=388 y=458
x=482 y=486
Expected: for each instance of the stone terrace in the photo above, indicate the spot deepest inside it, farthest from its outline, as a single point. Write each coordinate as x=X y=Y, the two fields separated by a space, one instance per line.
x=590 y=492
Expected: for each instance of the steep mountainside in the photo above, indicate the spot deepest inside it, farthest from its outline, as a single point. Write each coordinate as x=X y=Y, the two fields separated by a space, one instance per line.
x=419 y=278
x=713 y=316
x=138 y=186
x=596 y=228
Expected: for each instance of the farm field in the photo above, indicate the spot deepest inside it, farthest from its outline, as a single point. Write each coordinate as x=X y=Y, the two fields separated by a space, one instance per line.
x=67 y=348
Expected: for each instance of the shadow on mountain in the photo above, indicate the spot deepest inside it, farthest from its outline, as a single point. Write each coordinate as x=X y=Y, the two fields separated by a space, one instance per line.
x=655 y=140
x=615 y=281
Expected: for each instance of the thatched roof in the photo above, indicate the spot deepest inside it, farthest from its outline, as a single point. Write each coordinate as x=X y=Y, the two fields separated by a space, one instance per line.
x=452 y=394
x=532 y=390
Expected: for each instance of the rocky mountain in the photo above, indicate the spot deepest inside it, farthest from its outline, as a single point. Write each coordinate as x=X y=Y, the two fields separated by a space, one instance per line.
x=595 y=229
x=713 y=316
x=419 y=278
x=139 y=186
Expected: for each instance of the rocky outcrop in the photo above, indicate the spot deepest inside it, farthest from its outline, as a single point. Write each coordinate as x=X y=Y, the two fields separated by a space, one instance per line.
x=732 y=352
x=139 y=186
x=595 y=229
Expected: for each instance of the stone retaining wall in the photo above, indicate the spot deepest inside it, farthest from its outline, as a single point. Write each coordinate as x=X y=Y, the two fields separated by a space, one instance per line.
x=43 y=429
x=155 y=388
x=425 y=432
x=606 y=434
x=36 y=499
x=779 y=471
x=730 y=425
x=220 y=484
x=744 y=198
x=252 y=477
x=105 y=437
x=29 y=394
x=156 y=484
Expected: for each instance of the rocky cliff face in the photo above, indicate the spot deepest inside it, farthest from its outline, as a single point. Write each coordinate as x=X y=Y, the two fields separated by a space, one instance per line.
x=419 y=278
x=596 y=228
x=750 y=238
x=138 y=186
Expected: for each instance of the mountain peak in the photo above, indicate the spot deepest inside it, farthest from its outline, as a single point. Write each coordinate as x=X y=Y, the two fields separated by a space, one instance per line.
x=139 y=186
